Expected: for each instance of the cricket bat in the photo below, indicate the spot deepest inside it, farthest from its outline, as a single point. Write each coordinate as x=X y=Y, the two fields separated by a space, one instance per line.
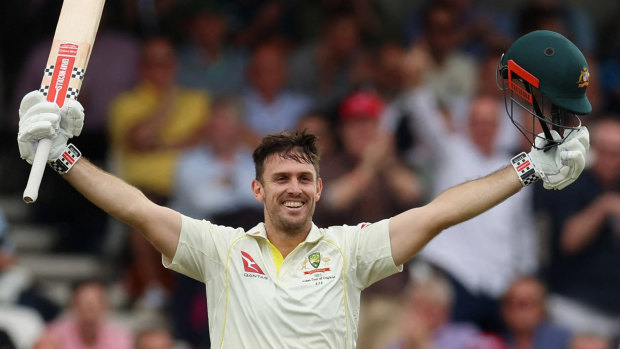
x=65 y=69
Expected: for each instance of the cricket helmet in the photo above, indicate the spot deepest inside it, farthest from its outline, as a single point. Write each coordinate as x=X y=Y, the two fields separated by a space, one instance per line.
x=546 y=75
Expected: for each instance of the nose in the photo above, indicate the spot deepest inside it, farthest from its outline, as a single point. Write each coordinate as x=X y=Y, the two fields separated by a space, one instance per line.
x=294 y=187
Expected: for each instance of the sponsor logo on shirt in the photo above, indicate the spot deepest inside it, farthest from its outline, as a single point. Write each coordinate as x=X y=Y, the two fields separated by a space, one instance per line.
x=251 y=267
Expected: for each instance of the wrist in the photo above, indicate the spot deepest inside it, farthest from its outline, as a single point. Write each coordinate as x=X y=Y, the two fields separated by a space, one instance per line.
x=65 y=161
x=525 y=169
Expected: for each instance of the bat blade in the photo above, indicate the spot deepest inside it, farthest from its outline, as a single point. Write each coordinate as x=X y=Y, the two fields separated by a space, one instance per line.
x=65 y=70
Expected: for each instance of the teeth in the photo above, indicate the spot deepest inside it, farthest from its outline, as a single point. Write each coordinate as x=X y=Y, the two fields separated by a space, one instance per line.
x=293 y=204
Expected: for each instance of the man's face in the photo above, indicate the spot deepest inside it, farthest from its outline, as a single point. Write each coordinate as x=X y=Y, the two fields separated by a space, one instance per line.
x=289 y=190
x=523 y=306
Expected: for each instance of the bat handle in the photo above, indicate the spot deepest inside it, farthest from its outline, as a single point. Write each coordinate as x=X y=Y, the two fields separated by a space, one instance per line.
x=36 y=172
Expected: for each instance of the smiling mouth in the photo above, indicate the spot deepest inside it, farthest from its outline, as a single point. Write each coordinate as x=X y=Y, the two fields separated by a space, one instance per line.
x=293 y=204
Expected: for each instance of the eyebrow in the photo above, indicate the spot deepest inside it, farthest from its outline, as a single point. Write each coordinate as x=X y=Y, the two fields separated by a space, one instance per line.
x=276 y=174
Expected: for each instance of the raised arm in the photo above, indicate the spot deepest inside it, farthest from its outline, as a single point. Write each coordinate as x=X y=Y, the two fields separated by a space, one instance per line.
x=558 y=167
x=159 y=224
x=411 y=230
x=41 y=119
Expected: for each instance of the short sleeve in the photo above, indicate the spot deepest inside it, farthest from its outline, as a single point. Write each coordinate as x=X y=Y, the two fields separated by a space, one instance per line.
x=374 y=253
x=198 y=250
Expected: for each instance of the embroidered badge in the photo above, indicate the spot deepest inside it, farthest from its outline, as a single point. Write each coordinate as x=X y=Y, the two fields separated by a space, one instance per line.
x=584 y=78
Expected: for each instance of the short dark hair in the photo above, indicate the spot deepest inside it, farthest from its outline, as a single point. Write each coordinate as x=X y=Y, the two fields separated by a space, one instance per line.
x=300 y=146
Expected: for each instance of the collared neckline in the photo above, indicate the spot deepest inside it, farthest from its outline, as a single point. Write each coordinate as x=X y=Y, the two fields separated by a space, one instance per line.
x=314 y=235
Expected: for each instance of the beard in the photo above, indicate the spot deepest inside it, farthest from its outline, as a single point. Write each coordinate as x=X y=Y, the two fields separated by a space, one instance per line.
x=292 y=225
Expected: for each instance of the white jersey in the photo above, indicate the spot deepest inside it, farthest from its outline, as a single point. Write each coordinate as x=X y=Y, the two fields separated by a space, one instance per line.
x=257 y=299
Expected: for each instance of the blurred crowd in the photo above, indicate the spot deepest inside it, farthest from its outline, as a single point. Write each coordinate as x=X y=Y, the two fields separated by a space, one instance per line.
x=403 y=97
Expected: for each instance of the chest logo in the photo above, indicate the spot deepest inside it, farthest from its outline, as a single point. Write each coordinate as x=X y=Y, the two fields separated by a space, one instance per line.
x=249 y=265
x=315 y=259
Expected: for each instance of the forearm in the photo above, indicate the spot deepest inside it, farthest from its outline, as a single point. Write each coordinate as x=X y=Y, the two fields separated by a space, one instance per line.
x=158 y=224
x=411 y=230
x=579 y=230
x=472 y=198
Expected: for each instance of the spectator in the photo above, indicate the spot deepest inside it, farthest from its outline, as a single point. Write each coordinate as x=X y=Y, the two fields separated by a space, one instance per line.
x=258 y=20
x=319 y=125
x=148 y=127
x=323 y=69
x=154 y=338
x=23 y=309
x=569 y=19
x=484 y=255
x=584 y=263
x=525 y=316
x=450 y=72
x=480 y=25
x=87 y=324
x=424 y=321
x=368 y=157
x=269 y=106
x=589 y=341
x=206 y=60
x=219 y=167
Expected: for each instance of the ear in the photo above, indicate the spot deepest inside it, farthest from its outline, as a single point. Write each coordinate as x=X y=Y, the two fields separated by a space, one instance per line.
x=258 y=190
x=319 y=189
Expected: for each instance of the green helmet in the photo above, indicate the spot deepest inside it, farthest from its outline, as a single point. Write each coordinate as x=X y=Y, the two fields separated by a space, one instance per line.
x=546 y=75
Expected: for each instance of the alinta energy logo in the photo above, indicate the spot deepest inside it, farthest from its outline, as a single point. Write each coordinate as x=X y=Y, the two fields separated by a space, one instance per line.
x=251 y=267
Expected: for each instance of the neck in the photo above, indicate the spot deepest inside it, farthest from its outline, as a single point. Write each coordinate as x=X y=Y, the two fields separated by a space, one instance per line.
x=523 y=340
x=286 y=241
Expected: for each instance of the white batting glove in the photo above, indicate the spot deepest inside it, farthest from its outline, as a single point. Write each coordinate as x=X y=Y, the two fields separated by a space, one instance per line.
x=40 y=119
x=561 y=165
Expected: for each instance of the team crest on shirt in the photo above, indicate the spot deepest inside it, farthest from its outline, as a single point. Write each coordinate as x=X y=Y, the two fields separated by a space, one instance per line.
x=315 y=260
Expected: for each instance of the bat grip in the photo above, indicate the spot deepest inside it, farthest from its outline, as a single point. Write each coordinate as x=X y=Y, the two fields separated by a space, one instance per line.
x=36 y=171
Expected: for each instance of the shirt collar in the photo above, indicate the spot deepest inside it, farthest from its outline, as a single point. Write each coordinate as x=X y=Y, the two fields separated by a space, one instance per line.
x=314 y=235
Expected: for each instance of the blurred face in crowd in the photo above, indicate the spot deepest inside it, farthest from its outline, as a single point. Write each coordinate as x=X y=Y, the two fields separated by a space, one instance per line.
x=432 y=303
x=589 y=341
x=342 y=37
x=154 y=339
x=523 y=306
x=319 y=126
x=209 y=29
x=605 y=140
x=159 y=63
x=484 y=123
x=89 y=308
x=357 y=133
x=224 y=128
x=441 y=32
x=389 y=74
x=267 y=70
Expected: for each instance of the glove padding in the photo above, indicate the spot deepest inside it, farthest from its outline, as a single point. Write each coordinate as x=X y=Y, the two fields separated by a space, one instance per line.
x=40 y=119
x=561 y=165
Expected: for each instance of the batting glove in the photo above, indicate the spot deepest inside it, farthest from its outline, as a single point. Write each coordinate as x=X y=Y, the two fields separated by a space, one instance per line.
x=561 y=165
x=40 y=119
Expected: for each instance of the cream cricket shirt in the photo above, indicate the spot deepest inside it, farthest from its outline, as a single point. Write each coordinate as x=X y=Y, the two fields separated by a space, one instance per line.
x=256 y=299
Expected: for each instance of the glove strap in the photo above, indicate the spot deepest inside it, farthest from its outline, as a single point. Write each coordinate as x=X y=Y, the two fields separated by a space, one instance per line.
x=66 y=160
x=525 y=169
